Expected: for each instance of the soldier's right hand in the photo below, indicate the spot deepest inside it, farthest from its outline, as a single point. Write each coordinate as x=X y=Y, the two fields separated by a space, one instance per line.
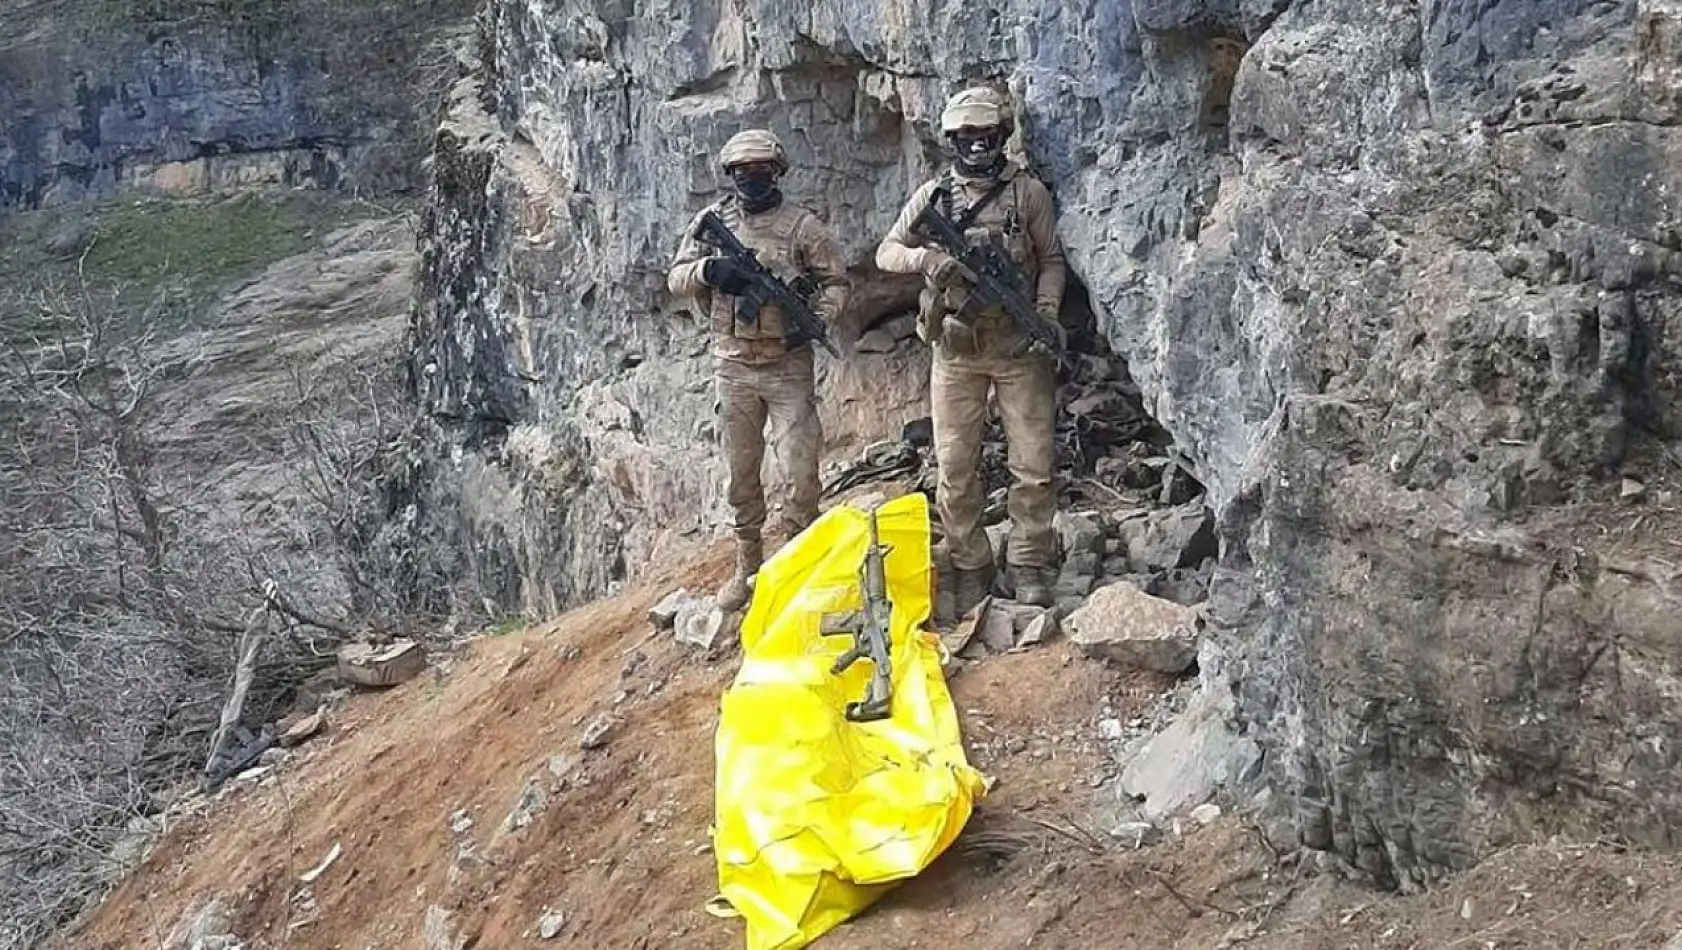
x=724 y=275
x=943 y=269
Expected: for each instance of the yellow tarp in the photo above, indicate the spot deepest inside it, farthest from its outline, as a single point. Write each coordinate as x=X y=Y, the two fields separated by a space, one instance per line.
x=818 y=816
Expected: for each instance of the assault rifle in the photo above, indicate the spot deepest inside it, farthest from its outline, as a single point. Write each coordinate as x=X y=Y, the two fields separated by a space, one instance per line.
x=872 y=638
x=996 y=279
x=763 y=286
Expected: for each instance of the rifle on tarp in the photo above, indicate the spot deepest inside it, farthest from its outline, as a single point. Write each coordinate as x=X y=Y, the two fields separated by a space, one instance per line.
x=872 y=637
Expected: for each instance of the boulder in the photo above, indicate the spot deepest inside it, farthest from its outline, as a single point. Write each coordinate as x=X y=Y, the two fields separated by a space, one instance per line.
x=302 y=729
x=1185 y=586
x=1078 y=533
x=1126 y=626
x=705 y=625
x=373 y=665
x=1038 y=630
x=1170 y=538
x=664 y=614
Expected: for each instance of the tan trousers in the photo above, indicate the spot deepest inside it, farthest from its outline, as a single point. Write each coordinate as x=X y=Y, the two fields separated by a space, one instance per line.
x=1025 y=389
x=782 y=394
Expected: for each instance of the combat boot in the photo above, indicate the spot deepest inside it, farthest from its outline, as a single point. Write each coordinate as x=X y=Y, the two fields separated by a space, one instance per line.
x=1033 y=586
x=733 y=596
x=969 y=587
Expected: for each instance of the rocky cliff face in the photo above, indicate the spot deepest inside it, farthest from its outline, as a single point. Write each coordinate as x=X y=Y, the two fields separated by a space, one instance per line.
x=191 y=96
x=1397 y=275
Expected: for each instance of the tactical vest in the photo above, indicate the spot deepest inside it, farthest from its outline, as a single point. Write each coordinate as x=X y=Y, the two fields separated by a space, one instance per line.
x=774 y=237
x=998 y=220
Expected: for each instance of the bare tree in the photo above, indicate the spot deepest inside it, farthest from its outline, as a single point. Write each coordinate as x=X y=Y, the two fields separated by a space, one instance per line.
x=141 y=620
x=86 y=600
x=127 y=611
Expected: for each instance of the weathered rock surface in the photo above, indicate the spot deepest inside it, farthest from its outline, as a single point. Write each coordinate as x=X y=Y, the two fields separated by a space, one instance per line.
x=1126 y=626
x=1136 y=834
x=704 y=624
x=664 y=615
x=1168 y=539
x=1079 y=532
x=187 y=97
x=1187 y=763
x=1396 y=276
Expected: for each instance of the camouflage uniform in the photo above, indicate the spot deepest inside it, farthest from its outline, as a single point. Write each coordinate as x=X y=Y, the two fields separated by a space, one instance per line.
x=974 y=358
x=760 y=379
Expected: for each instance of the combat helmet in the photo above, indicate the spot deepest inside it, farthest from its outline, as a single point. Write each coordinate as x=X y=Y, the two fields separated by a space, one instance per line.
x=753 y=145
x=975 y=107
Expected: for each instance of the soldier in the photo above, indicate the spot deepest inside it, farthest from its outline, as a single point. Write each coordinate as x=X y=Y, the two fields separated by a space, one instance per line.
x=997 y=200
x=762 y=375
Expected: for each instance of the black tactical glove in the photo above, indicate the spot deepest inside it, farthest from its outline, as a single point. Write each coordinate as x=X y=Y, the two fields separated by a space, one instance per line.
x=724 y=275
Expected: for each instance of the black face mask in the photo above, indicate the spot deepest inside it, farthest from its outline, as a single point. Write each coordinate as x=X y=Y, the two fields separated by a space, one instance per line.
x=757 y=189
x=978 y=152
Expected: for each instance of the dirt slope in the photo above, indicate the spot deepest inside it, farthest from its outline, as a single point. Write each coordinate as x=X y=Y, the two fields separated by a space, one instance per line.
x=417 y=787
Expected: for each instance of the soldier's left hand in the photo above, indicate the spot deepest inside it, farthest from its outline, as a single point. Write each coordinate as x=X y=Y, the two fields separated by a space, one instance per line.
x=1050 y=317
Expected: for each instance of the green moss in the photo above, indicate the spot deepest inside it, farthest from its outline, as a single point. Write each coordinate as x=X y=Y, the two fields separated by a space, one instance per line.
x=146 y=249
x=510 y=624
x=206 y=245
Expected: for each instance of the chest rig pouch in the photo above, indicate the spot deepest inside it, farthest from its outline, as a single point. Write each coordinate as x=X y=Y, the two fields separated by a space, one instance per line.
x=942 y=313
x=773 y=237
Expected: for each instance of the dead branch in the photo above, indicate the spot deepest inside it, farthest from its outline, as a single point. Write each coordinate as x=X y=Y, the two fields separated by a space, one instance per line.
x=1196 y=908
x=251 y=642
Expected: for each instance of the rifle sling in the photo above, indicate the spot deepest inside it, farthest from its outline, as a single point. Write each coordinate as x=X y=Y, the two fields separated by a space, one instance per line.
x=963 y=219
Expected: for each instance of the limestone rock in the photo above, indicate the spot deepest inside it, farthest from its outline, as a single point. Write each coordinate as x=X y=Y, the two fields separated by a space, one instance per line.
x=1308 y=247
x=664 y=614
x=550 y=924
x=996 y=626
x=531 y=803
x=380 y=666
x=1175 y=537
x=1127 y=626
x=883 y=338
x=703 y=624
x=203 y=929
x=597 y=733
x=998 y=537
x=1136 y=834
x=438 y=930
x=1185 y=586
x=1184 y=765
x=1078 y=573
x=1078 y=532
x=1038 y=630
x=174 y=109
x=1631 y=490
x=303 y=729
